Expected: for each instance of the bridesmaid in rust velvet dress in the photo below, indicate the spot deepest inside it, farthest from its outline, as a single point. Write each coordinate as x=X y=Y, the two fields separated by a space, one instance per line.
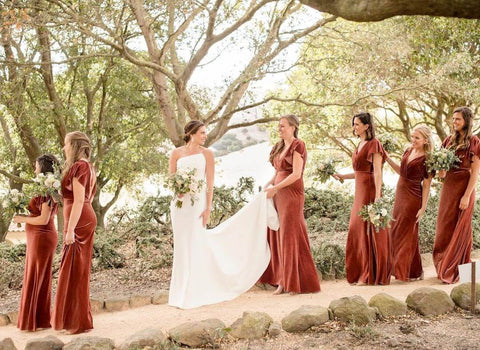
x=34 y=312
x=411 y=197
x=366 y=256
x=72 y=303
x=453 y=239
x=291 y=266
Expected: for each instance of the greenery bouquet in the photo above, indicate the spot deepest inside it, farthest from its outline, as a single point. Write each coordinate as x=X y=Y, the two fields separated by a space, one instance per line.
x=389 y=142
x=48 y=184
x=182 y=183
x=324 y=170
x=442 y=159
x=15 y=202
x=377 y=213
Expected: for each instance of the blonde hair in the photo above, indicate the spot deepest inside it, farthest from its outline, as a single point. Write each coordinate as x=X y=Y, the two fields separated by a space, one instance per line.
x=81 y=148
x=427 y=135
x=280 y=145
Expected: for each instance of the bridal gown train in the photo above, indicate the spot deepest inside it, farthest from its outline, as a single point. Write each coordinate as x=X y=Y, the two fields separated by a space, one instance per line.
x=210 y=266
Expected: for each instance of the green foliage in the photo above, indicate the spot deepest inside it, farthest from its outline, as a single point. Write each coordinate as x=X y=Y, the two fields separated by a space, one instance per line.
x=12 y=260
x=326 y=203
x=329 y=260
x=105 y=256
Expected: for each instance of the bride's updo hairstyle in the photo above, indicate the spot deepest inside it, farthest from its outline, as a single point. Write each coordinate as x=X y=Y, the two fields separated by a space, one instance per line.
x=191 y=129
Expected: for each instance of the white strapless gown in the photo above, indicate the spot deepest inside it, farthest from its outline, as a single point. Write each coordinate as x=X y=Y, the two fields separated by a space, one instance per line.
x=210 y=266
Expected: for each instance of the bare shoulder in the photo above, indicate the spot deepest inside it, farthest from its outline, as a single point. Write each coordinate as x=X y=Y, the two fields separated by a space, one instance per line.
x=208 y=153
x=177 y=152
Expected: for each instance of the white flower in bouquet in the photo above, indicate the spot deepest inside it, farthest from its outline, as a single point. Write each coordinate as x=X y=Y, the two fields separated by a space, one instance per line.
x=442 y=159
x=46 y=185
x=377 y=213
x=182 y=183
x=15 y=202
x=324 y=170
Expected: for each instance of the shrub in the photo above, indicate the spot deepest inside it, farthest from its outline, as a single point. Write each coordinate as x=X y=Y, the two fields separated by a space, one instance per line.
x=329 y=260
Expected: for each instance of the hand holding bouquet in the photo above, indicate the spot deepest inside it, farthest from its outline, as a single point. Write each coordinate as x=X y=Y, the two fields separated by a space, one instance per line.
x=442 y=159
x=182 y=183
x=15 y=202
x=377 y=213
x=324 y=170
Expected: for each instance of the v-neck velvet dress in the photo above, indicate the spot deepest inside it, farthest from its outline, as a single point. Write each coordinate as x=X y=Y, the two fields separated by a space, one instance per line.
x=453 y=237
x=36 y=295
x=72 y=302
x=366 y=255
x=406 y=259
x=291 y=264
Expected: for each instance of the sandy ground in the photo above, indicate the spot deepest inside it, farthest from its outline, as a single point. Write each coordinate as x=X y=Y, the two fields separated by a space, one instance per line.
x=120 y=325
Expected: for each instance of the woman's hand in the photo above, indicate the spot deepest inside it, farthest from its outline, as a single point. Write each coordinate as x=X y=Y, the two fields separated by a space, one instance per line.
x=420 y=214
x=271 y=191
x=442 y=173
x=69 y=238
x=205 y=217
x=18 y=219
x=464 y=202
x=338 y=177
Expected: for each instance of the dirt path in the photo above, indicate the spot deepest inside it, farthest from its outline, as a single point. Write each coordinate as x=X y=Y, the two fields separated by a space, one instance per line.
x=120 y=325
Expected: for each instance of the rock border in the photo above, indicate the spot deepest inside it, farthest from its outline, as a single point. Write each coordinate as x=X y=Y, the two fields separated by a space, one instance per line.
x=250 y=325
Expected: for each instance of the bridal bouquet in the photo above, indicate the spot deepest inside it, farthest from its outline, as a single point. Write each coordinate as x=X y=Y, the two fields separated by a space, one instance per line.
x=182 y=183
x=442 y=159
x=377 y=213
x=389 y=142
x=15 y=202
x=324 y=170
x=46 y=184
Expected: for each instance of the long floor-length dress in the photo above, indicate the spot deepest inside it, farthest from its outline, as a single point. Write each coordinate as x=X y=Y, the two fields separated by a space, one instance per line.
x=72 y=302
x=406 y=259
x=36 y=295
x=366 y=255
x=210 y=266
x=453 y=238
x=291 y=264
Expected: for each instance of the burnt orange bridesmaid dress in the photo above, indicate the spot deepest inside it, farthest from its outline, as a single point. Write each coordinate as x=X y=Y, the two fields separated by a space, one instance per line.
x=406 y=259
x=291 y=264
x=72 y=310
x=366 y=255
x=36 y=294
x=453 y=238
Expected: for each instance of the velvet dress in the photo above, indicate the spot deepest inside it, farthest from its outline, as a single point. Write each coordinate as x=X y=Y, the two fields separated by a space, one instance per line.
x=291 y=264
x=406 y=259
x=453 y=238
x=366 y=255
x=36 y=294
x=72 y=302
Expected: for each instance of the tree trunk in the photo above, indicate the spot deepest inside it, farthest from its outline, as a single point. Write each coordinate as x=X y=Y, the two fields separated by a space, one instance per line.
x=377 y=10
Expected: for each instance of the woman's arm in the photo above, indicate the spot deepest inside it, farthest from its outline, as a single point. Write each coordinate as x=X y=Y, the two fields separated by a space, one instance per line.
x=348 y=176
x=42 y=219
x=290 y=179
x=377 y=174
x=425 y=194
x=210 y=173
x=471 y=183
x=172 y=162
x=394 y=165
x=77 y=207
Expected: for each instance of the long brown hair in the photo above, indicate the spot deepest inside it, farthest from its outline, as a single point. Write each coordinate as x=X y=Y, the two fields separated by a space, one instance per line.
x=47 y=163
x=280 y=145
x=191 y=129
x=367 y=119
x=81 y=148
x=457 y=141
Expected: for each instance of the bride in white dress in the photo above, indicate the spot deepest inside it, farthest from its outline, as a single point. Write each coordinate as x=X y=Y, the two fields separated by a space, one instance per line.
x=210 y=266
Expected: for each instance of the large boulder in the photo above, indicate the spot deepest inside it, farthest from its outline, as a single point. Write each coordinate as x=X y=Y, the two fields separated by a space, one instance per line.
x=252 y=325
x=388 y=305
x=461 y=295
x=353 y=309
x=305 y=317
x=195 y=334
x=47 y=343
x=275 y=329
x=4 y=320
x=90 y=343
x=430 y=301
x=148 y=337
x=7 y=344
